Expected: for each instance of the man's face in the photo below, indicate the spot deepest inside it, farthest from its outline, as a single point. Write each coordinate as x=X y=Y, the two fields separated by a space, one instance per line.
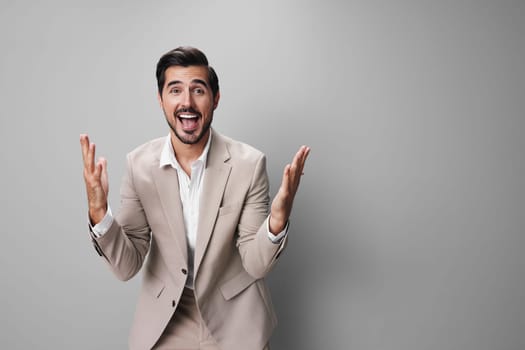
x=188 y=102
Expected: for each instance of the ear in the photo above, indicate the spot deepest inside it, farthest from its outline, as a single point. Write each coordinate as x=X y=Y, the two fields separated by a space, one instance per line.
x=216 y=100
x=159 y=98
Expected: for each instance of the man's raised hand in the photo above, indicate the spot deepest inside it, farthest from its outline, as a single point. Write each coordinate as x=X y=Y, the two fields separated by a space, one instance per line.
x=283 y=201
x=96 y=179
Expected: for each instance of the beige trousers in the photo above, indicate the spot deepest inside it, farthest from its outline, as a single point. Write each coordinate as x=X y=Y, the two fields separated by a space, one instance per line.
x=186 y=329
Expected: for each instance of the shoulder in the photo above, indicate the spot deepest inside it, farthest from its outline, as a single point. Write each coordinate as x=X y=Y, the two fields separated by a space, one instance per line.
x=147 y=152
x=247 y=163
x=238 y=151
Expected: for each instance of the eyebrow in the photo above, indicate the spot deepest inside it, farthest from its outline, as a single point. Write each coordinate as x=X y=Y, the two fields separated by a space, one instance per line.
x=198 y=81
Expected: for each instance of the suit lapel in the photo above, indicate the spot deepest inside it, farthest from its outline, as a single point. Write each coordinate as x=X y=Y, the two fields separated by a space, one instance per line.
x=167 y=184
x=215 y=179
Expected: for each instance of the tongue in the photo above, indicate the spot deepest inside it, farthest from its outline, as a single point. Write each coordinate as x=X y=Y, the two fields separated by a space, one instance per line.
x=189 y=124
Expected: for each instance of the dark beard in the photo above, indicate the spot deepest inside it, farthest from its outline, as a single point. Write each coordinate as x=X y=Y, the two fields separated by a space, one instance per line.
x=191 y=141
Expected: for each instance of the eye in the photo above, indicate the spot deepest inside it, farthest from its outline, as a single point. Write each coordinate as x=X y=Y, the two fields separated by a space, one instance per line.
x=175 y=90
x=199 y=91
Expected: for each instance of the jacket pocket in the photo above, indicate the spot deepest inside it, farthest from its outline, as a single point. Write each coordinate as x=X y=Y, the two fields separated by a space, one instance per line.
x=154 y=285
x=236 y=285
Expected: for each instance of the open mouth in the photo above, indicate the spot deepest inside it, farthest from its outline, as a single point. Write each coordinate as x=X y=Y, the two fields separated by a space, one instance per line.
x=189 y=122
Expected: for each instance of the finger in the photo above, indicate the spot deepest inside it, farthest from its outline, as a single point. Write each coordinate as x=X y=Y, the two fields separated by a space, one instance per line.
x=304 y=157
x=296 y=167
x=305 y=150
x=84 y=145
x=90 y=160
x=306 y=153
x=297 y=157
x=104 y=163
x=98 y=170
x=294 y=164
x=286 y=178
x=300 y=156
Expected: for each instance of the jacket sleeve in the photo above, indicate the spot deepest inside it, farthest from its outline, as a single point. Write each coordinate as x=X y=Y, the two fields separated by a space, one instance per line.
x=258 y=253
x=127 y=241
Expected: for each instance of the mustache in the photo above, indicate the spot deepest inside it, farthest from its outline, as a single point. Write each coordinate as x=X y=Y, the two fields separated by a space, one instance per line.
x=188 y=110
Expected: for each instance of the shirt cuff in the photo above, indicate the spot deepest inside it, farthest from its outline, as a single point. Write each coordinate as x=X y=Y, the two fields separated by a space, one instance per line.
x=103 y=226
x=277 y=238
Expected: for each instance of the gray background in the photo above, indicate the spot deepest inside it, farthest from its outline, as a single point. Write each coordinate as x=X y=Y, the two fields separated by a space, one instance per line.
x=408 y=228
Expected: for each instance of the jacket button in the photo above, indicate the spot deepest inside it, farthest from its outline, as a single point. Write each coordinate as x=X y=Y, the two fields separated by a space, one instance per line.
x=184 y=271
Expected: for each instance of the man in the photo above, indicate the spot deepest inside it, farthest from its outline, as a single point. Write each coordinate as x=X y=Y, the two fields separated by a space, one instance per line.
x=196 y=202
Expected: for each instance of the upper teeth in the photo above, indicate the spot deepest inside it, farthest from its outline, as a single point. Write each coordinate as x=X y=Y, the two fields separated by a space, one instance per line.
x=187 y=116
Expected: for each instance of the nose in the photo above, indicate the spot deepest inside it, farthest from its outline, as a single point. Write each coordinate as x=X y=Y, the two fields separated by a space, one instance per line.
x=186 y=99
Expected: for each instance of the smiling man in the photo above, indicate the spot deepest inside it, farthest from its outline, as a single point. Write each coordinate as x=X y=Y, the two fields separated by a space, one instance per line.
x=188 y=102
x=196 y=203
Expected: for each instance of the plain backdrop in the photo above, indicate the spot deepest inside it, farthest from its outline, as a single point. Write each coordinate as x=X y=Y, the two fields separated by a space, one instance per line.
x=408 y=230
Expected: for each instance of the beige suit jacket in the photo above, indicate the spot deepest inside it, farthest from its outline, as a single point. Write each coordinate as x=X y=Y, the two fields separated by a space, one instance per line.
x=233 y=252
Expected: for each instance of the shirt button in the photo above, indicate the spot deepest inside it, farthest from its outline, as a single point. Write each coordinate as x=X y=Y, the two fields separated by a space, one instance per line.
x=184 y=271
x=173 y=303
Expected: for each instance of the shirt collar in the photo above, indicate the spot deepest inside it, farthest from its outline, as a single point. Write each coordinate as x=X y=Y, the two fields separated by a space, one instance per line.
x=167 y=156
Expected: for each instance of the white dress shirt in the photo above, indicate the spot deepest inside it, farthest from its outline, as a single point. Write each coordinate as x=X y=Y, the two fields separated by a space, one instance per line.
x=190 y=188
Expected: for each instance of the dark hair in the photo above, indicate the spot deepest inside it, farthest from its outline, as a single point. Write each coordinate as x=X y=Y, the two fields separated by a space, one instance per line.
x=185 y=56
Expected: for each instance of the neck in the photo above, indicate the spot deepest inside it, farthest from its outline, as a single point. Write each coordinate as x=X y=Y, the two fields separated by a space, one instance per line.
x=188 y=153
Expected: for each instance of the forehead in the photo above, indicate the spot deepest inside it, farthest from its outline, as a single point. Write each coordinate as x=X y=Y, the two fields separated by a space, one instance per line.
x=186 y=74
